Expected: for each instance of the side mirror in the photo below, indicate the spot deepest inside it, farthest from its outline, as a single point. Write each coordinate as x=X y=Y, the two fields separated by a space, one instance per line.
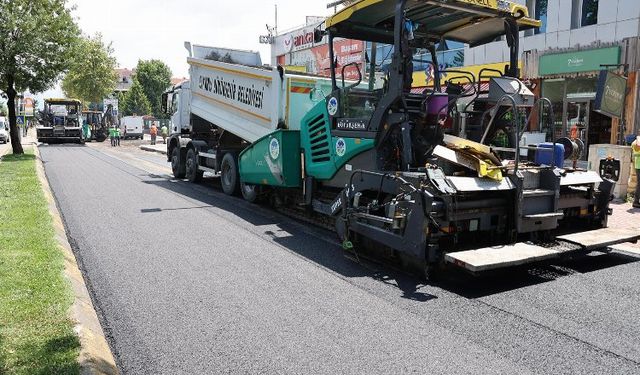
x=318 y=35
x=163 y=103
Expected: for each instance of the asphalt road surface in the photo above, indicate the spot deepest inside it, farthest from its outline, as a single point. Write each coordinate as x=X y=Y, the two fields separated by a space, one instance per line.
x=190 y=281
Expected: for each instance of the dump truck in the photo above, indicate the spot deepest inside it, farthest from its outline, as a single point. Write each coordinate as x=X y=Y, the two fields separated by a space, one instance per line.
x=60 y=121
x=409 y=177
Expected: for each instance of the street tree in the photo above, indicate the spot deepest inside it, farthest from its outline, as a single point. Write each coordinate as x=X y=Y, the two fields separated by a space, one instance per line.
x=92 y=75
x=36 y=40
x=155 y=77
x=135 y=101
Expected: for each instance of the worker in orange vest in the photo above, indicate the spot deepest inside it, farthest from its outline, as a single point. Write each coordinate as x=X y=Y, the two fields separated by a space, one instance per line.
x=154 y=133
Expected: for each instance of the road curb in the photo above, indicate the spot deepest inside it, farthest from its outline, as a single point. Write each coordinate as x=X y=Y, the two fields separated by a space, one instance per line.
x=152 y=149
x=95 y=355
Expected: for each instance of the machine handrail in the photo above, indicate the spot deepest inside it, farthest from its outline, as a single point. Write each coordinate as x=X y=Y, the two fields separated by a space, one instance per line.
x=359 y=74
x=536 y=107
x=514 y=108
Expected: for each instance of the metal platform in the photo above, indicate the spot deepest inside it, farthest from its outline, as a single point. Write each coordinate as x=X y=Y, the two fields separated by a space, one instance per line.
x=491 y=258
x=601 y=238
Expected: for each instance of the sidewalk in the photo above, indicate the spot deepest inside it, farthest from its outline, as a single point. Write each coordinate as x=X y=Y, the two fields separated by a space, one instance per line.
x=625 y=216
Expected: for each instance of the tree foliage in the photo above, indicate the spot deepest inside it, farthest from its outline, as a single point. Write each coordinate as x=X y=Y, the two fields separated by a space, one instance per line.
x=92 y=74
x=36 y=40
x=135 y=101
x=155 y=77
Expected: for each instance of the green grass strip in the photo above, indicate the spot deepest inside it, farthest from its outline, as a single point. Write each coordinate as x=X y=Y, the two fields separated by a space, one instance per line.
x=36 y=334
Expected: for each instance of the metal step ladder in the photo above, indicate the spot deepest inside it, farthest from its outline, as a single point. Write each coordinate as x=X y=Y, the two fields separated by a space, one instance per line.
x=538 y=201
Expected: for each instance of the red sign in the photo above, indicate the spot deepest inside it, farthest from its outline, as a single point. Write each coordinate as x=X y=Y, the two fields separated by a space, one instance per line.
x=346 y=51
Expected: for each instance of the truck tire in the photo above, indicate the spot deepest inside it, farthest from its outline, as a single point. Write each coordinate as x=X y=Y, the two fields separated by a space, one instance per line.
x=177 y=165
x=229 y=176
x=191 y=167
x=249 y=192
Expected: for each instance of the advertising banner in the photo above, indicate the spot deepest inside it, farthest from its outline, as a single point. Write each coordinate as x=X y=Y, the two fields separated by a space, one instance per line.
x=611 y=94
x=316 y=59
x=27 y=107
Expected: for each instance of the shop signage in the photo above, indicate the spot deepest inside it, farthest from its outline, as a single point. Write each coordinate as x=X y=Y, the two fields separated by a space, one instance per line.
x=611 y=94
x=296 y=41
x=266 y=39
x=578 y=61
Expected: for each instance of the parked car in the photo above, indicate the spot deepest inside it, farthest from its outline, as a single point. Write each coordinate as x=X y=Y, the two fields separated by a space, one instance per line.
x=131 y=127
x=4 y=130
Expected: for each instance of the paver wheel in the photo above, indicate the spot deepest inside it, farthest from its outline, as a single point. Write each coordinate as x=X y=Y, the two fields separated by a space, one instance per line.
x=250 y=192
x=229 y=175
x=192 y=172
x=177 y=165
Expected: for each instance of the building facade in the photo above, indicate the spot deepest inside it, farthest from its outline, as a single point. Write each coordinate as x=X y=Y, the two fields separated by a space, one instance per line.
x=563 y=59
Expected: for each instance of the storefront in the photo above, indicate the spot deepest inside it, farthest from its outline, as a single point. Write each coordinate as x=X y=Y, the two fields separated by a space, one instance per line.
x=570 y=81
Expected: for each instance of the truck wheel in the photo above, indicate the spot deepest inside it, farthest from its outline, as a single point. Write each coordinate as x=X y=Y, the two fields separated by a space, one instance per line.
x=249 y=192
x=229 y=176
x=177 y=166
x=191 y=167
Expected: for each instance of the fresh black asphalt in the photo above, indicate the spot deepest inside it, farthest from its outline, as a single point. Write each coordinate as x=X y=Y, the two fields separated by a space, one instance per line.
x=190 y=281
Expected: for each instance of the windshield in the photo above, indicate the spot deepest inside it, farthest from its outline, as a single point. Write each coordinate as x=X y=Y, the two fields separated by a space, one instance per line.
x=63 y=109
x=59 y=110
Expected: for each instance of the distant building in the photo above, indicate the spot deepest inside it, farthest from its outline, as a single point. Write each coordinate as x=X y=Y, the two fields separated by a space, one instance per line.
x=125 y=79
x=176 y=80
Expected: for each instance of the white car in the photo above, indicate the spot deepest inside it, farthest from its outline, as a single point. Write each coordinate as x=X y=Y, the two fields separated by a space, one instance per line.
x=4 y=130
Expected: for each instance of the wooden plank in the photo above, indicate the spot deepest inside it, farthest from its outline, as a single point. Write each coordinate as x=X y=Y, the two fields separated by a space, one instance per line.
x=600 y=238
x=490 y=258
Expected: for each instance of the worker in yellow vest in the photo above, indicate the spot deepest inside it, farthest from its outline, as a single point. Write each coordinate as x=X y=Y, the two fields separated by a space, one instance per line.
x=635 y=148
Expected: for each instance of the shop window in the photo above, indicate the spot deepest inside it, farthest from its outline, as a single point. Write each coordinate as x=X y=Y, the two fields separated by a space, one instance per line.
x=589 y=12
x=582 y=88
x=584 y=13
x=538 y=9
x=554 y=90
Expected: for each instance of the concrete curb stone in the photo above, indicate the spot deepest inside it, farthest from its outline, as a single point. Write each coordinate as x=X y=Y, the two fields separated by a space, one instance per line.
x=162 y=150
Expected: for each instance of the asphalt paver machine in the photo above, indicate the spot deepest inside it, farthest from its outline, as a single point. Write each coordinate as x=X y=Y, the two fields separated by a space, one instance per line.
x=412 y=177
x=61 y=121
